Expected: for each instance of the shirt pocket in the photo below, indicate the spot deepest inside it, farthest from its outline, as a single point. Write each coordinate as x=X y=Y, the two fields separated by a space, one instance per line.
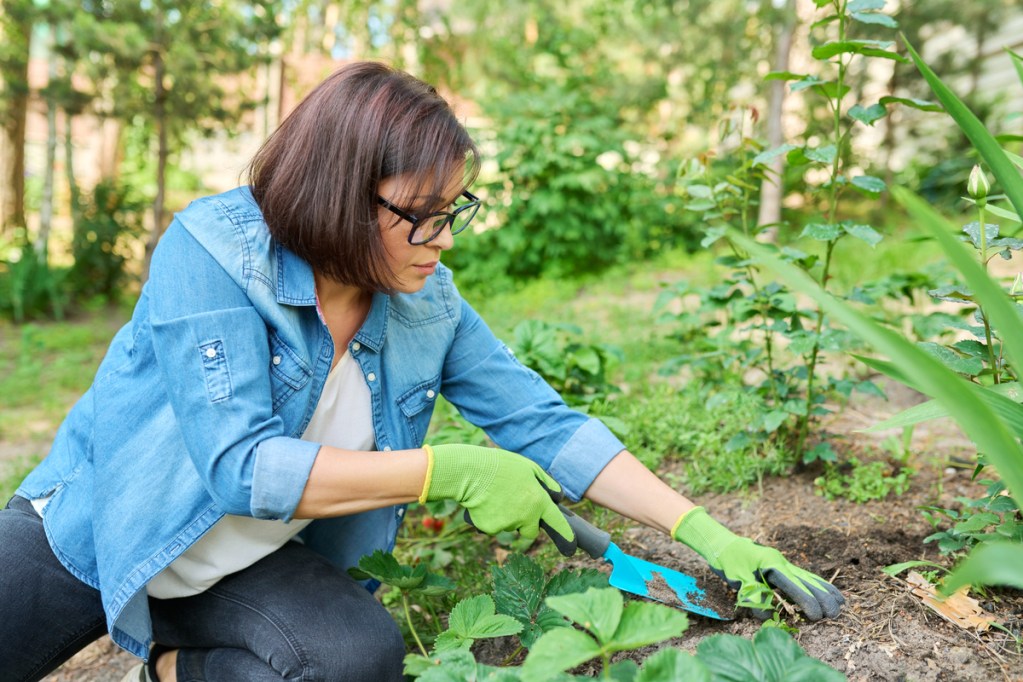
x=288 y=372
x=215 y=370
x=417 y=405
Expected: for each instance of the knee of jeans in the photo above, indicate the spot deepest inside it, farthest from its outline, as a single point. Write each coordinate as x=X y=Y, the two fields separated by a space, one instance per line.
x=373 y=651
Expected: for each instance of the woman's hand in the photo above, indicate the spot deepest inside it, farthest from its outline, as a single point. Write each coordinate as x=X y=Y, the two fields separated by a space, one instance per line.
x=742 y=562
x=499 y=489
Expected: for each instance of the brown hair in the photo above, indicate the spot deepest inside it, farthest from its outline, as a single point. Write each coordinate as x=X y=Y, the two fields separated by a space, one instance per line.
x=316 y=177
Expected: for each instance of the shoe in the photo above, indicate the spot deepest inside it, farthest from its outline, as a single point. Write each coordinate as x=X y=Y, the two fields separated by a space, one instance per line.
x=137 y=674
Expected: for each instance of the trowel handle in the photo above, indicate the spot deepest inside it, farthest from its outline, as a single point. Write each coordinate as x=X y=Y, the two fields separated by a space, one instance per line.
x=590 y=539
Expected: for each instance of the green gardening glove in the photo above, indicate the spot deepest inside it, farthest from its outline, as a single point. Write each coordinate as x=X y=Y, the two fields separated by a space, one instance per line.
x=500 y=490
x=742 y=562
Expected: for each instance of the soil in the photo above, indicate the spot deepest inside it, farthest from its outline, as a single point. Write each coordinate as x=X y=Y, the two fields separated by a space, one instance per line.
x=884 y=631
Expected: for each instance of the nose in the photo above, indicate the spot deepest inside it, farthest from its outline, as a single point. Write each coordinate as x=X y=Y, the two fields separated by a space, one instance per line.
x=443 y=241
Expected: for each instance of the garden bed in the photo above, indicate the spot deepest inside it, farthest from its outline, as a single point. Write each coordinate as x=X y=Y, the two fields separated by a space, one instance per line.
x=884 y=633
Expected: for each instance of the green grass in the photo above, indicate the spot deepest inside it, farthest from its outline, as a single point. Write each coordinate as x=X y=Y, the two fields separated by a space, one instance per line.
x=44 y=368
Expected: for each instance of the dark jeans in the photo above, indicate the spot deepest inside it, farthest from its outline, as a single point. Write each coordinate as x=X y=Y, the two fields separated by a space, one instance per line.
x=290 y=616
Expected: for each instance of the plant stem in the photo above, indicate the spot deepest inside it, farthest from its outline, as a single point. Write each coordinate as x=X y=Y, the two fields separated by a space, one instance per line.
x=511 y=657
x=411 y=627
x=987 y=325
x=811 y=365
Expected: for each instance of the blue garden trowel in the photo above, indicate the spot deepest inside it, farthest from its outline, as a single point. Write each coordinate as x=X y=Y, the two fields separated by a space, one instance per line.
x=640 y=577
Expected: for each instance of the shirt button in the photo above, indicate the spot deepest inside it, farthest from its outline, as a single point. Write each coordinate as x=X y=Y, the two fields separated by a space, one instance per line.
x=277 y=359
x=211 y=353
x=430 y=394
x=371 y=377
x=356 y=346
x=387 y=448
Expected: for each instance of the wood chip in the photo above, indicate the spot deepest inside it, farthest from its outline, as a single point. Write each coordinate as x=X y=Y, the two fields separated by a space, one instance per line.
x=958 y=608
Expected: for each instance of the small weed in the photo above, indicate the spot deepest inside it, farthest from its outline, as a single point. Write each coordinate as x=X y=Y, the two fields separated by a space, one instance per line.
x=861 y=482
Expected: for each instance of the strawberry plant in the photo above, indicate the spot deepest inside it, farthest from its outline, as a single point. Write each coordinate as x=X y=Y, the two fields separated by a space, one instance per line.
x=600 y=623
x=521 y=590
x=408 y=580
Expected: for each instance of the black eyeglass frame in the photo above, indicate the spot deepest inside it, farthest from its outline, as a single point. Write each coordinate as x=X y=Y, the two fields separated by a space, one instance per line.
x=449 y=221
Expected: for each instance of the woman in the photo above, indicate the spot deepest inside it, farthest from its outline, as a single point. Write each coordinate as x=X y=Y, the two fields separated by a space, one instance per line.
x=258 y=425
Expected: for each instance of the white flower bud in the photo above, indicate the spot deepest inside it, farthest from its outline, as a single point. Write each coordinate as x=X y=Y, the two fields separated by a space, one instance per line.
x=978 y=185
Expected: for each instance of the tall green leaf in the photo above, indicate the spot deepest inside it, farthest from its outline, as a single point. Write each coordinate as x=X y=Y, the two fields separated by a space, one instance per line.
x=994 y=563
x=977 y=420
x=985 y=143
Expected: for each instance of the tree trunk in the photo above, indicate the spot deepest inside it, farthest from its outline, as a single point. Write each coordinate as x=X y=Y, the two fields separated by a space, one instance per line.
x=69 y=172
x=46 y=207
x=16 y=32
x=160 y=118
x=772 y=188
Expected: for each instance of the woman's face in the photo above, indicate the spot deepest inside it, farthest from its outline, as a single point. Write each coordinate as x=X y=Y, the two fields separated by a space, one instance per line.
x=412 y=264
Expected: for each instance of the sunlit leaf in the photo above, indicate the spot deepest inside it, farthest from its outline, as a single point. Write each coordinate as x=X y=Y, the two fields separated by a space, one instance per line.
x=912 y=103
x=874 y=18
x=869 y=184
x=867 y=115
x=823 y=232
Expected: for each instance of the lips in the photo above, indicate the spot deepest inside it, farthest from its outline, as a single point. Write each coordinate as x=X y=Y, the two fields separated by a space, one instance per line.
x=427 y=268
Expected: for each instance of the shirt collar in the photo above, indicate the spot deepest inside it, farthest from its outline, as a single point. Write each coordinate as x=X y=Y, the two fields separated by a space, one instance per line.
x=295 y=282
x=296 y=285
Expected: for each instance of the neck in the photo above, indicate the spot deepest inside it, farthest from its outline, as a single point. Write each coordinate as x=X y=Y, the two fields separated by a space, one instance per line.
x=340 y=297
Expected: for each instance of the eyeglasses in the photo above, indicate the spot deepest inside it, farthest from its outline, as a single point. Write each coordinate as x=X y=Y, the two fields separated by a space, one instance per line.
x=429 y=227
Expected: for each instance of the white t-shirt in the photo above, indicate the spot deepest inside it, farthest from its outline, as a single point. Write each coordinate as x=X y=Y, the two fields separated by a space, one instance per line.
x=343 y=419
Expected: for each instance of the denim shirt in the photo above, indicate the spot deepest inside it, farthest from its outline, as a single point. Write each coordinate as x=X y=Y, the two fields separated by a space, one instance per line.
x=198 y=408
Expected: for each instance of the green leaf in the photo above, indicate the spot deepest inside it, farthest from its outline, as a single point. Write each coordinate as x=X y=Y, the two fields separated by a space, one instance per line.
x=699 y=191
x=862 y=232
x=972 y=230
x=765 y=157
x=622 y=671
x=912 y=103
x=808 y=82
x=474 y=618
x=869 y=184
x=864 y=5
x=874 y=18
x=1002 y=399
x=953 y=293
x=867 y=48
x=596 y=610
x=896 y=569
x=983 y=141
x=645 y=623
x=1017 y=62
x=867 y=115
x=955 y=362
x=772 y=656
x=557 y=651
x=997 y=210
x=673 y=664
x=822 y=232
x=992 y=563
x=822 y=154
x=450 y=666
x=977 y=522
x=384 y=567
x=730 y=658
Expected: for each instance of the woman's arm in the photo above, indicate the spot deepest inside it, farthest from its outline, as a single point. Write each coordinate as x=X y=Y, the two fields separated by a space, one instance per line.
x=626 y=486
x=345 y=482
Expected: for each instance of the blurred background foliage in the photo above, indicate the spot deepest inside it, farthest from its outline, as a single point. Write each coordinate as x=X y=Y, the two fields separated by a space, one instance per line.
x=587 y=110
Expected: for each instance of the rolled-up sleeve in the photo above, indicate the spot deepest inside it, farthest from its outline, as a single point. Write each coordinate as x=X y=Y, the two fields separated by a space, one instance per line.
x=213 y=352
x=520 y=411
